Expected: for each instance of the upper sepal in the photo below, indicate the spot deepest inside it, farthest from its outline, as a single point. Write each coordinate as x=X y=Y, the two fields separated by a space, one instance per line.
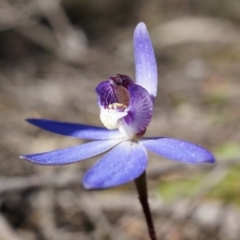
x=145 y=62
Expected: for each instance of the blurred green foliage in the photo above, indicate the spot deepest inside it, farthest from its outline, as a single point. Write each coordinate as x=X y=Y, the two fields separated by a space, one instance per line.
x=228 y=150
x=226 y=191
x=229 y=189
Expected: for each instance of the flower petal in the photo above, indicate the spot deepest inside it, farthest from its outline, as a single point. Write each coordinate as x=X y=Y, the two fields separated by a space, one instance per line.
x=71 y=154
x=75 y=129
x=145 y=62
x=122 y=164
x=114 y=90
x=178 y=150
x=106 y=95
x=139 y=112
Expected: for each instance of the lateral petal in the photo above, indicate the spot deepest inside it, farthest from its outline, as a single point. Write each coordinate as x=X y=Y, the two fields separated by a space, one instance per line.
x=71 y=154
x=178 y=150
x=74 y=129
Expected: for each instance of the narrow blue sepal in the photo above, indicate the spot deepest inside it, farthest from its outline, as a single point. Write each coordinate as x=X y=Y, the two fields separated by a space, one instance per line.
x=74 y=129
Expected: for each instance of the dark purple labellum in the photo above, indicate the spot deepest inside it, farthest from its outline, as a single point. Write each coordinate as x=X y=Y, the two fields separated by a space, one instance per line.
x=106 y=95
x=114 y=91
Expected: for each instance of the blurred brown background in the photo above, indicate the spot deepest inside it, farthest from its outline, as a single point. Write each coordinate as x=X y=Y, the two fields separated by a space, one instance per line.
x=52 y=56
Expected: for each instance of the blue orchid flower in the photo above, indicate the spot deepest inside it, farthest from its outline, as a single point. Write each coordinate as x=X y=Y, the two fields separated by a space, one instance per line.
x=126 y=109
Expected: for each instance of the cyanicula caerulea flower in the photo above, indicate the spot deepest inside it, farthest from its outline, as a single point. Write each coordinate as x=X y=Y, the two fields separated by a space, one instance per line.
x=126 y=109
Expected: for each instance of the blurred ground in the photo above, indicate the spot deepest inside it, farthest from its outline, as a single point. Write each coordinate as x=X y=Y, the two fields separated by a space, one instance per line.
x=52 y=56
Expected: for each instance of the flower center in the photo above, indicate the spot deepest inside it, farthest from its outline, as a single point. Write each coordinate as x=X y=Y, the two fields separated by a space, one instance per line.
x=119 y=106
x=114 y=98
x=124 y=105
x=112 y=115
x=122 y=95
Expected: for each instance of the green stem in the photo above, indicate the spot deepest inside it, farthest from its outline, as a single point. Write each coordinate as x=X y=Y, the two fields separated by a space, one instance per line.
x=141 y=184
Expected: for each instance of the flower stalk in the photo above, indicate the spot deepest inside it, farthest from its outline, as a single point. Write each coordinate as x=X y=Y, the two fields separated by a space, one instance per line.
x=141 y=185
